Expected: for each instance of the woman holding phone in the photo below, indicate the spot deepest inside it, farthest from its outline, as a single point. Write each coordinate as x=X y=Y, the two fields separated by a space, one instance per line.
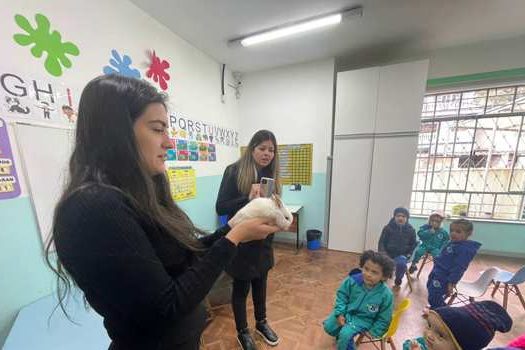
x=240 y=184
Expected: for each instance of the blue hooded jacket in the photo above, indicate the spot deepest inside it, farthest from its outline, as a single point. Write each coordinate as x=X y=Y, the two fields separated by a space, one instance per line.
x=454 y=259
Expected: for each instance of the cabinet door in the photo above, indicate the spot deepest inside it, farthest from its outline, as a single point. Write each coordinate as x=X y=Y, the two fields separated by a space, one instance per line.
x=349 y=194
x=400 y=97
x=392 y=175
x=356 y=101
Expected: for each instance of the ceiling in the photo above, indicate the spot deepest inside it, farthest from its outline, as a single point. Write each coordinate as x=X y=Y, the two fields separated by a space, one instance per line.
x=386 y=26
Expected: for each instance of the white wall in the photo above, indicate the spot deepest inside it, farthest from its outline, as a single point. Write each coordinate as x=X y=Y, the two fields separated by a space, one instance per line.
x=481 y=57
x=295 y=102
x=485 y=56
x=97 y=27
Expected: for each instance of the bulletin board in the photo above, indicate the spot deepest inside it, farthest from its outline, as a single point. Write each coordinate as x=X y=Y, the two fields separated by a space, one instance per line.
x=295 y=163
x=45 y=153
x=183 y=183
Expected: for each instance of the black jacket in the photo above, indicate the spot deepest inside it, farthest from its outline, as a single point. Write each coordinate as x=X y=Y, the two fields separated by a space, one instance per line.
x=146 y=286
x=397 y=240
x=254 y=258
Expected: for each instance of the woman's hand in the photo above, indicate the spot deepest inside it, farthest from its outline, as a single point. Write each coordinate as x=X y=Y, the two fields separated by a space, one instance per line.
x=251 y=230
x=255 y=192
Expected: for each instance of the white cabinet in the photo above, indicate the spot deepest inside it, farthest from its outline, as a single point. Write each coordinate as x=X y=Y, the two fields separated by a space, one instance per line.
x=392 y=176
x=355 y=102
x=400 y=97
x=376 y=122
x=351 y=178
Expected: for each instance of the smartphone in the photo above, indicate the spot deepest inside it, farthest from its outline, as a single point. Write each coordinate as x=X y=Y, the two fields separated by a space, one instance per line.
x=267 y=187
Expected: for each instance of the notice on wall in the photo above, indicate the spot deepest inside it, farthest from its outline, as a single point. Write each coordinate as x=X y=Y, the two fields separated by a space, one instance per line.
x=9 y=184
x=183 y=183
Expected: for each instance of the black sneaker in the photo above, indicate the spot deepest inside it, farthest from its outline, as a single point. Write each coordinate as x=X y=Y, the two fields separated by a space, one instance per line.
x=245 y=340
x=268 y=335
x=412 y=269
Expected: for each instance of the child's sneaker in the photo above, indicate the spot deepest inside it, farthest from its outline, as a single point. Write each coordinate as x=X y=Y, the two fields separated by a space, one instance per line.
x=412 y=269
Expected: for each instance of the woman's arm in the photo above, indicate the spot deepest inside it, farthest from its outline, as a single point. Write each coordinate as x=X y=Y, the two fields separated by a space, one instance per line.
x=208 y=240
x=109 y=255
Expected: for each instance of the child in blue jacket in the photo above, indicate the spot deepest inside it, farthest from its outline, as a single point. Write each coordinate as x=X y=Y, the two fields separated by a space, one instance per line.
x=363 y=302
x=433 y=237
x=453 y=261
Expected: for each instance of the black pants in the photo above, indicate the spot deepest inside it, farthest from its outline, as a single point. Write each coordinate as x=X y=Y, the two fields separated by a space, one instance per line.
x=239 y=295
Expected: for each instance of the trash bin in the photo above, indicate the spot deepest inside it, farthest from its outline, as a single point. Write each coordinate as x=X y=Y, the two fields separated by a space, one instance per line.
x=313 y=239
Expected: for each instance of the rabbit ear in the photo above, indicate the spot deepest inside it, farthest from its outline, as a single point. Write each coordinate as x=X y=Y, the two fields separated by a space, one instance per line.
x=277 y=201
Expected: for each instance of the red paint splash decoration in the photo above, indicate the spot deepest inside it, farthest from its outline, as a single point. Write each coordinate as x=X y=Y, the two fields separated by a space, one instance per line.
x=157 y=70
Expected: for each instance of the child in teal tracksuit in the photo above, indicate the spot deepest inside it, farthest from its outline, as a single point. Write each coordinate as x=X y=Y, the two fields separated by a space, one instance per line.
x=433 y=238
x=363 y=302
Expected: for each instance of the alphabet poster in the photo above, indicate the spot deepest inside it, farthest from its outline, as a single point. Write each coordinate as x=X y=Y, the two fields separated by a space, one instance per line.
x=9 y=184
x=27 y=98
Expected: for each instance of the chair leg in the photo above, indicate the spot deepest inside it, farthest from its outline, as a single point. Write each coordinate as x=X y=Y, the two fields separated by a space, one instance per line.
x=496 y=286
x=383 y=347
x=422 y=265
x=520 y=296
x=392 y=344
x=505 y=296
x=452 y=297
x=409 y=281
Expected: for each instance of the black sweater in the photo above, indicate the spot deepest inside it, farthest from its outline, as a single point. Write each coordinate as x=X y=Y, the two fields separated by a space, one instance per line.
x=253 y=258
x=146 y=286
x=397 y=240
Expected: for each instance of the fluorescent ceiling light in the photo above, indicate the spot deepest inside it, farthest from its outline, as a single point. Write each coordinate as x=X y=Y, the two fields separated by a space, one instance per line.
x=291 y=30
x=299 y=27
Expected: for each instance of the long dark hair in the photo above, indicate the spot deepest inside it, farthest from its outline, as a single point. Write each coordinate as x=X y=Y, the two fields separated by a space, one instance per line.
x=106 y=154
x=247 y=174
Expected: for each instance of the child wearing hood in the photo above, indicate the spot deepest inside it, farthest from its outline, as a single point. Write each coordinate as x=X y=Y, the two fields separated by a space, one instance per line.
x=398 y=240
x=469 y=327
x=433 y=237
x=453 y=261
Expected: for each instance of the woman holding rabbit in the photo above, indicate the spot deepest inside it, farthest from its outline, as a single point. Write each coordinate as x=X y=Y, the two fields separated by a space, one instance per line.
x=240 y=184
x=118 y=234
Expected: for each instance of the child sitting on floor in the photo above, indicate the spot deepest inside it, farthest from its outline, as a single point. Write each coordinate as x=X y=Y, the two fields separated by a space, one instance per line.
x=469 y=327
x=433 y=237
x=363 y=302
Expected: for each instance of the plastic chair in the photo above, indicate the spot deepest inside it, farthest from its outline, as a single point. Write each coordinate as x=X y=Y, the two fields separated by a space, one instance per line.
x=510 y=283
x=468 y=291
x=388 y=337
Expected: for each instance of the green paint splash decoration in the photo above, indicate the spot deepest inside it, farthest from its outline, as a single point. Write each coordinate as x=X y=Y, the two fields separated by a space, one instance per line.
x=48 y=41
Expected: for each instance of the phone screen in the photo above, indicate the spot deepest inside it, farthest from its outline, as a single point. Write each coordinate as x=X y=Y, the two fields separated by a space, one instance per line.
x=267 y=187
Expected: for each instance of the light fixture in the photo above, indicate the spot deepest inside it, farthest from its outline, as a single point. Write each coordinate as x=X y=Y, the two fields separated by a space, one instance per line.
x=298 y=27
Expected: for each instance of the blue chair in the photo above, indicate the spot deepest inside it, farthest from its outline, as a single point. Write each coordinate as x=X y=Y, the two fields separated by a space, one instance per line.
x=510 y=283
x=223 y=220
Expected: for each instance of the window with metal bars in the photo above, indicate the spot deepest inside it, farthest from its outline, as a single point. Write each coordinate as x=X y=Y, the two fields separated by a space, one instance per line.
x=471 y=154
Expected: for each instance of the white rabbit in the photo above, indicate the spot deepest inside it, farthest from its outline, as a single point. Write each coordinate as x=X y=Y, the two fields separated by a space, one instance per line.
x=271 y=208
